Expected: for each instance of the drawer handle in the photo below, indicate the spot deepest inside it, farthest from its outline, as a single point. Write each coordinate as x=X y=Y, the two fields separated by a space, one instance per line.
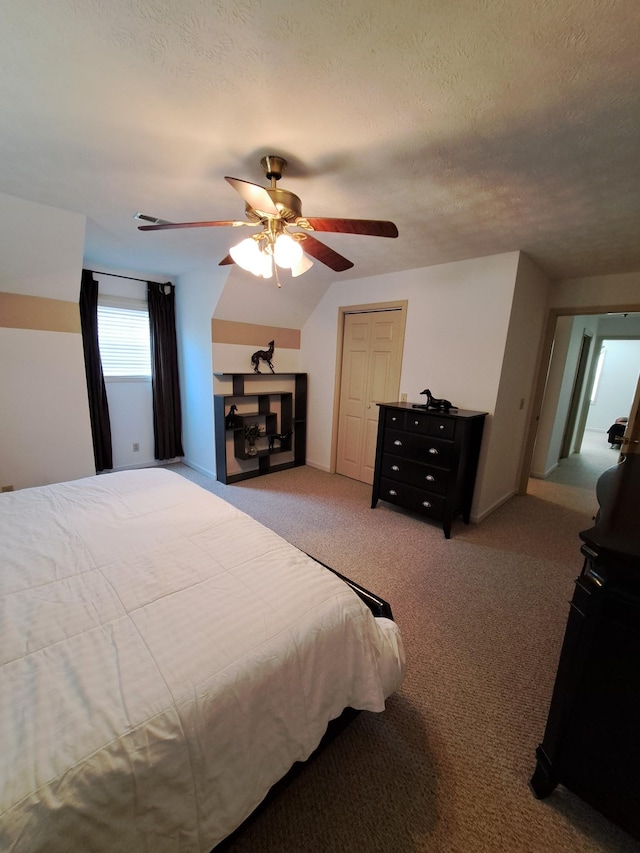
x=430 y=478
x=394 y=419
x=433 y=451
x=426 y=504
x=395 y=467
x=416 y=423
x=441 y=426
x=397 y=442
x=392 y=492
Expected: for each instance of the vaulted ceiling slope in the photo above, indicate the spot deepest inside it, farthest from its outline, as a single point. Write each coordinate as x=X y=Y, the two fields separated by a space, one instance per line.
x=478 y=127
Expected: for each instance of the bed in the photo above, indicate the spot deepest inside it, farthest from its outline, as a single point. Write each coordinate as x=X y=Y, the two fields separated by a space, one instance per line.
x=165 y=660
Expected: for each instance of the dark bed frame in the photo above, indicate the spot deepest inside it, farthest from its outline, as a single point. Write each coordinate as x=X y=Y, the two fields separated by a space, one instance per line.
x=379 y=607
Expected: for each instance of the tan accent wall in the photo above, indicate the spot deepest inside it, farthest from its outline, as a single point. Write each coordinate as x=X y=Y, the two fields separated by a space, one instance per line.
x=252 y=334
x=18 y=311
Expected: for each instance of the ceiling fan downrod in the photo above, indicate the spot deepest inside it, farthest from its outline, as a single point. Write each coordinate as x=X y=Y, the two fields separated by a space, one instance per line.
x=273 y=167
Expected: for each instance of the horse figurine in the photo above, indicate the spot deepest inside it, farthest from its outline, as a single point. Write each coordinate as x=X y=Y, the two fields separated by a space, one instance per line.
x=436 y=403
x=263 y=355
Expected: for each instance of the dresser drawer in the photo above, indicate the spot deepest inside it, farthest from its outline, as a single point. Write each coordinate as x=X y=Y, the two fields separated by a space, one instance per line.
x=415 y=474
x=394 y=419
x=411 y=498
x=421 y=448
x=427 y=423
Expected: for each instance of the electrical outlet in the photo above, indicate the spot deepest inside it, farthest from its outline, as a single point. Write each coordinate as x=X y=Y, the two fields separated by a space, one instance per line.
x=7 y=488
x=403 y=398
x=136 y=446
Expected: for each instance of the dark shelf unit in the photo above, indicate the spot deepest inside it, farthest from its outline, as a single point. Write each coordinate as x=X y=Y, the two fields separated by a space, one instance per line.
x=292 y=422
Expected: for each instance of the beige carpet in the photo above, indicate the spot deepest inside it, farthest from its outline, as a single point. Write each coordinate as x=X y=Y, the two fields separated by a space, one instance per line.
x=446 y=767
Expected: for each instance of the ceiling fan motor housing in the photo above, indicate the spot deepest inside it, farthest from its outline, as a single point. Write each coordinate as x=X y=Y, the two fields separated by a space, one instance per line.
x=288 y=204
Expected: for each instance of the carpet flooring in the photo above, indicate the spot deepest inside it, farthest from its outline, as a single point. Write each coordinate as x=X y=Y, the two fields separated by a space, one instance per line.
x=446 y=767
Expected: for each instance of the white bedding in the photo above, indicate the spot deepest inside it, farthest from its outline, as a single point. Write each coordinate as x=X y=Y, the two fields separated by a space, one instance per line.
x=164 y=659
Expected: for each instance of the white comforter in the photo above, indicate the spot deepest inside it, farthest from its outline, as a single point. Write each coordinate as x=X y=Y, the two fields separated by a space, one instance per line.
x=164 y=660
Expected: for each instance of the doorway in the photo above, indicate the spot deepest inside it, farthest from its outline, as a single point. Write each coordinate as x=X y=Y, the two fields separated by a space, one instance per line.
x=372 y=343
x=601 y=314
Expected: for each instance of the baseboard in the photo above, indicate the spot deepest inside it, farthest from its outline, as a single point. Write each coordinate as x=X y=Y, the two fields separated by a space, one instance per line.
x=317 y=465
x=538 y=475
x=478 y=518
x=199 y=468
x=152 y=463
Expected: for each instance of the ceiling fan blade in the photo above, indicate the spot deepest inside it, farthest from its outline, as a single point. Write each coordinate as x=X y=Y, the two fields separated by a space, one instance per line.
x=166 y=225
x=143 y=217
x=324 y=254
x=226 y=260
x=372 y=227
x=255 y=196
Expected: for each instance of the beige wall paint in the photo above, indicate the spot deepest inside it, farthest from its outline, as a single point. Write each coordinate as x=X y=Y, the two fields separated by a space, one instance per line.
x=38 y=313
x=45 y=432
x=253 y=334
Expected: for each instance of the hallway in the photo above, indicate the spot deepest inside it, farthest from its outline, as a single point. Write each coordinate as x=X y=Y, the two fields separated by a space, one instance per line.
x=573 y=483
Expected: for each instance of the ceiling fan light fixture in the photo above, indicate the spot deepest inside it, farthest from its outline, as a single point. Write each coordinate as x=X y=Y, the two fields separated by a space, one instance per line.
x=247 y=255
x=287 y=253
x=301 y=266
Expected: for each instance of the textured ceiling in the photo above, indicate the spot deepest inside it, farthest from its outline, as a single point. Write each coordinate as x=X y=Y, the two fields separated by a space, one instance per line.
x=477 y=126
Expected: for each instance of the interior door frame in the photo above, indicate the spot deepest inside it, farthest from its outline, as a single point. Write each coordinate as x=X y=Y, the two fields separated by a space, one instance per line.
x=368 y=308
x=544 y=359
x=568 y=437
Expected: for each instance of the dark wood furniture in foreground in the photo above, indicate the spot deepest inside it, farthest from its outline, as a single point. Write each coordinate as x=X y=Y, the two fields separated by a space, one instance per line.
x=592 y=738
x=278 y=412
x=426 y=460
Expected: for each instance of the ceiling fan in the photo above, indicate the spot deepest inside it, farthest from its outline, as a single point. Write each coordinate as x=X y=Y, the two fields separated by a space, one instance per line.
x=278 y=210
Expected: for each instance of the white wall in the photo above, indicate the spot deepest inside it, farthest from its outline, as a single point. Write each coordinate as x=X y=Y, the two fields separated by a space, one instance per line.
x=45 y=431
x=457 y=323
x=499 y=467
x=198 y=294
x=617 y=385
x=606 y=292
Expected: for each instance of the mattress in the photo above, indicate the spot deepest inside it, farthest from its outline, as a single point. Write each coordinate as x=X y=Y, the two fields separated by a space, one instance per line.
x=164 y=660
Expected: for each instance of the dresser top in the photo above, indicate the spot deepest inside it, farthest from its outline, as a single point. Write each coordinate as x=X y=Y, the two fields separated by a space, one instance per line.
x=441 y=413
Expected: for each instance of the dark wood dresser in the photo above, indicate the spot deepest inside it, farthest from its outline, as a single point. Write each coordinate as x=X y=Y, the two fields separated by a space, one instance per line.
x=591 y=742
x=426 y=460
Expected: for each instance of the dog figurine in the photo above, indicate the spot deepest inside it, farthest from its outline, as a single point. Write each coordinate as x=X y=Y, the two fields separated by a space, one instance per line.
x=230 y=420
x=263 y=355
x=278 y=436
x=435 y=402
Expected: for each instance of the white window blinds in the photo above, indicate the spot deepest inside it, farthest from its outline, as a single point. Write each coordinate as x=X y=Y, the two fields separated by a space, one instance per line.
x=123 y=337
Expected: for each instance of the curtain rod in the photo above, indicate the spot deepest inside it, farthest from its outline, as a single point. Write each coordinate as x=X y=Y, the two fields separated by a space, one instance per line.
x=130 y=277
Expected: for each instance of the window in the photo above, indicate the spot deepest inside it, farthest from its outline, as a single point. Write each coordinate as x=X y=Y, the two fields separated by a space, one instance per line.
x=123 y=337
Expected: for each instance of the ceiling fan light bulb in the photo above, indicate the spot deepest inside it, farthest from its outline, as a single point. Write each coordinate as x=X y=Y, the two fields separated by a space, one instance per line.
x=246 y=254
x=265 y=268
x=302 y=266
x=287 y=251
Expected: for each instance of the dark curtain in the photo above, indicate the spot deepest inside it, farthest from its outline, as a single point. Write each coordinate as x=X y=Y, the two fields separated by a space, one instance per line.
x=98 y=405
x=167 y=414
